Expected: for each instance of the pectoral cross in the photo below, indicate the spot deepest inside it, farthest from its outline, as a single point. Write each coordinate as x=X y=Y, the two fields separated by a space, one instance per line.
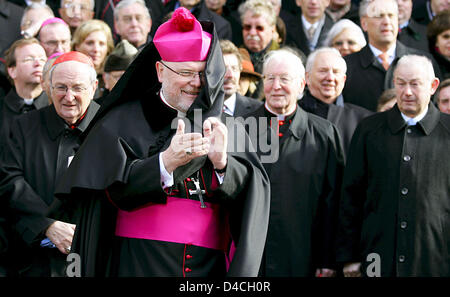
x=198 y=191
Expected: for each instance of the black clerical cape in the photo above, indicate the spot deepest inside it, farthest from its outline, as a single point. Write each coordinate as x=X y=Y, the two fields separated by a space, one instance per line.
x=305 y=185
x=116 y=173
x=39 y=150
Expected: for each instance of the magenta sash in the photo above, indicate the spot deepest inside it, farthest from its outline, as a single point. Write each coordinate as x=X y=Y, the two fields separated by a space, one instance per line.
x=179 y=220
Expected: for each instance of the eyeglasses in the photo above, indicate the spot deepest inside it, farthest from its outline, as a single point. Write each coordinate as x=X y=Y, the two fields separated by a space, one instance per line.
x=55 y=43
x=283 y=79
x=71 y=8
x=258 y=28
x=127 y=19
x=62 y=89
x=186 y=74
x=31 y=59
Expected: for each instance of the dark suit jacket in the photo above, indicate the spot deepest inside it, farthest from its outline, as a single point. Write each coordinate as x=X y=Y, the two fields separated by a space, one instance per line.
x=414 y=35
x=367 y=79
x=244 y=106
x=202 y=13
x=420 y=13
x=345 y=118
x=296 y=35
x=10 y=17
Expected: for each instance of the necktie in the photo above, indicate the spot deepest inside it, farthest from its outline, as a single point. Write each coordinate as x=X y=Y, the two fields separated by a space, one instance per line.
x=311 y=32
x=384 y=60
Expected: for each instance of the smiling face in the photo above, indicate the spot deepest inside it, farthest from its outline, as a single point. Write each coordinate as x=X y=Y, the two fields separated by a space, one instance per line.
x=326 y=78
x=179 y=91
x=133 y=24
x=73 y=103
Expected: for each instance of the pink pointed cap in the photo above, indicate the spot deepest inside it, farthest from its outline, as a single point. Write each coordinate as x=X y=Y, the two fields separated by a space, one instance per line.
x=182 y=38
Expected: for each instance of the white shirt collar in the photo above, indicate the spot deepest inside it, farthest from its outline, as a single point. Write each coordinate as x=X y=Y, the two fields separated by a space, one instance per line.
x=230 y=105
x=28 y=2
x=415 y=120
x=28 y=101
x=390 y=52
x=280 y=117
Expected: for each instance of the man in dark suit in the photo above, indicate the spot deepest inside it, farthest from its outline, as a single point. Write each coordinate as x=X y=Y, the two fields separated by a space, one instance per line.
x=10 y=16
x=235 y=104
x=370 y=70
x=425 y=12
x=325 y=78
x=202 y=13
x=309 y=29
x=410 y=32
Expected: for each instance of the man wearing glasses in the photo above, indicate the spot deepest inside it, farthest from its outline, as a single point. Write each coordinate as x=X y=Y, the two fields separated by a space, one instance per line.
x=25 y=60
x=55 y=36
x=166 y=192
x=304 y=180
x=75 y=12
x=40 y=147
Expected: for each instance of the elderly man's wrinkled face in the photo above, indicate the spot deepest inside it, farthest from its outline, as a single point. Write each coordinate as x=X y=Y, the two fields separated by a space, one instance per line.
x=381 y=23
x=30 y=60
x=326 y=78
x=133 y=24
x=55 y=38
x=282 y=86
x=256 y=31
x=72 y=90
x=444 y=100
x=181 y=82
x=413 y=88
x=75 y=12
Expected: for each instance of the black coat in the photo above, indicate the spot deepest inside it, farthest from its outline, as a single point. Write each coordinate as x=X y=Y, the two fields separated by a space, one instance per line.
x=345 y=118
x=12 y=106
x=396 y=193
x=40 y=145
x=420 y=13
x=244 y=105
x=10 y=17
x=202 y=13
x=296 y=36
x=305 y=185
x=124 y=150
x=414 y=35
x=367 y=79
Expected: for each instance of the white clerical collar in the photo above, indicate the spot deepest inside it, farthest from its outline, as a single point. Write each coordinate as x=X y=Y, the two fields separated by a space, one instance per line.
x=28 y=101
x=404 y=25
x=280 y=117
x=180 y=113
x=390 y=52
x=415 y=120
x=230 y=105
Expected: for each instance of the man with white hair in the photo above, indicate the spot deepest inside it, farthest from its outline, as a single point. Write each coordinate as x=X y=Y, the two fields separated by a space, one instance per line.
x=395 y=203
x=41 y=147
x=325 y=77
x=373 y=65
x=305 y=179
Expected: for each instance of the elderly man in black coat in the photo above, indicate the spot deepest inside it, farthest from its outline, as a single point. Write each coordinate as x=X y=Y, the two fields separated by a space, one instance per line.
x=304 y=159
x=369 y=71
x=41 y=146
x=394 y=214
x=325 y=78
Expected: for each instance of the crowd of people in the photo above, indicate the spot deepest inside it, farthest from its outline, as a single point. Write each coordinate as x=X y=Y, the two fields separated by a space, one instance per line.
x=211 y=138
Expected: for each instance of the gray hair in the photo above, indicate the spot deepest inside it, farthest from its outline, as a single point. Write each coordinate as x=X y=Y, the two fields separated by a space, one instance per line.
x=424 y=62
x=289 y=55
x=364 y=4
x=92 y=4
x=91 y=73
x=35 y=5
x=312 y=57
x=340 y=27
x=125 y=3
x=258 y=8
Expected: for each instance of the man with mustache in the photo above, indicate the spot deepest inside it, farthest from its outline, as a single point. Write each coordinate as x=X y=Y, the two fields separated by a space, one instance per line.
x=370 y=71
x=235 y=104
x=25 y=60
